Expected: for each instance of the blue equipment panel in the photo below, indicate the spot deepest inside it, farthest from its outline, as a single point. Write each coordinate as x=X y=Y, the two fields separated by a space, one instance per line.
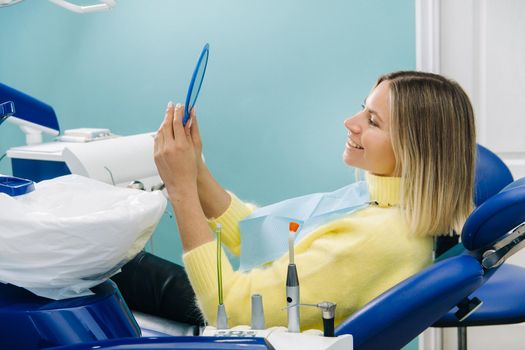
x=38 y=170
x=30 y=322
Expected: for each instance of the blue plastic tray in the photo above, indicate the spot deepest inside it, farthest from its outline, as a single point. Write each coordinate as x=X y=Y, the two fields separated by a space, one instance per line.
x=15 y=186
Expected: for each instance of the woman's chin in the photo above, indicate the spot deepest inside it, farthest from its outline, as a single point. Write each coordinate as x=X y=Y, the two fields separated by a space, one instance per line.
x=348 y=159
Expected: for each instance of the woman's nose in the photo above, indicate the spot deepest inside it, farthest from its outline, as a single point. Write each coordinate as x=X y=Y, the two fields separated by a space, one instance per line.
x=352 y=124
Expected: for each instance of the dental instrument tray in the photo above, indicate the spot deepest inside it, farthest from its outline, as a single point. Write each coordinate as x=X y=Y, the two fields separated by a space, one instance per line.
x=15 y=186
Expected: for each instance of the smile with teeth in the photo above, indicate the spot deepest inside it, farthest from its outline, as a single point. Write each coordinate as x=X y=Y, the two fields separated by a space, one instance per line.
x=353 y=144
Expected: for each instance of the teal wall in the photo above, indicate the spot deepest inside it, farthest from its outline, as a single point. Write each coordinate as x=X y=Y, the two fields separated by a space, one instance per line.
x=282 y=77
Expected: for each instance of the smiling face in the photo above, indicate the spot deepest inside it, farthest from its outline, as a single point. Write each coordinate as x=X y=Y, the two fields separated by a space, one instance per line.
x=369 y=146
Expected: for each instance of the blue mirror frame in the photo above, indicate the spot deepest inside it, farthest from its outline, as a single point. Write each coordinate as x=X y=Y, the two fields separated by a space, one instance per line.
x=196 y=77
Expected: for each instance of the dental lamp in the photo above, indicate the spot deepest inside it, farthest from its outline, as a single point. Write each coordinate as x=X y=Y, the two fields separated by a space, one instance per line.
x=103 y=5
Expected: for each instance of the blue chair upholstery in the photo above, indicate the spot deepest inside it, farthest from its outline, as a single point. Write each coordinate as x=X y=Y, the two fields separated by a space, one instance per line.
x=492 y=175
x=397 y=316
x=503 y=301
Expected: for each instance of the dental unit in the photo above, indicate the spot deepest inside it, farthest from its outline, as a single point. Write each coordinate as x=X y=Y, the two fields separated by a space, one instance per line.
x=93 y=153
x=289 y=337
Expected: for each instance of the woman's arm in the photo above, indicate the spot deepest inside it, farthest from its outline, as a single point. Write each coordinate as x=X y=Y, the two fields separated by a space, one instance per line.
x=218 y=205
x=213 y=198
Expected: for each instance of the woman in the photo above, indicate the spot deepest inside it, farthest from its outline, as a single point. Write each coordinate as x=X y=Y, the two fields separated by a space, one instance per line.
x=414 y=137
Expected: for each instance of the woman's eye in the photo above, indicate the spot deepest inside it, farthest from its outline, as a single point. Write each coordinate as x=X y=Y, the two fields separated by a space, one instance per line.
x=372 y=122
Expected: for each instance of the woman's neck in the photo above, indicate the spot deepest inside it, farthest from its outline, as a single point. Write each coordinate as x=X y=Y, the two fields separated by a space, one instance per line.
x=384 y=190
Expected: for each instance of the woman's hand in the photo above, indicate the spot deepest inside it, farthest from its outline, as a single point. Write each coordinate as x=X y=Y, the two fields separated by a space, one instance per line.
x=175 y=152
x=179 y=162
x=176 y=160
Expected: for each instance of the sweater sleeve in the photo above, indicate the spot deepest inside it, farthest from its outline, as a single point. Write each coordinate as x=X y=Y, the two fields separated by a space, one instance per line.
x=337 y=263
x=229 y=220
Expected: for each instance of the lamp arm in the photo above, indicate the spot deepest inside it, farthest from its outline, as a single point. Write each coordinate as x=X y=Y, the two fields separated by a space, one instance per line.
x=103 y=6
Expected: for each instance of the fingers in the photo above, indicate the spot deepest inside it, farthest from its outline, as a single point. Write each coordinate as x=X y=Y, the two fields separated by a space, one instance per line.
x=189 y=124
x=171 y=129
x=190 y=121
x=158 y=142
x=195 y=133
x=166 y=127
x=158 y=147
x=178 y=129
x=160 y=138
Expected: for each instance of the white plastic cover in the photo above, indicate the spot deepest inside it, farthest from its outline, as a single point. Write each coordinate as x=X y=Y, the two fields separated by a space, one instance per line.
x=73 y=233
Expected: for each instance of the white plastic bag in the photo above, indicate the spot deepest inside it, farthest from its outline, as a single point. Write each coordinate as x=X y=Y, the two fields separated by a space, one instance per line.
x=73 y=233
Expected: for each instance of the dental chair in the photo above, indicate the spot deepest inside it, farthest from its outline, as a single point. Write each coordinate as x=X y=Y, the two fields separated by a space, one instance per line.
x=492 y=233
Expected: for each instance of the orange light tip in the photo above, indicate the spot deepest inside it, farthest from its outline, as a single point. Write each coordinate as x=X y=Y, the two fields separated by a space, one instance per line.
x=294 y=226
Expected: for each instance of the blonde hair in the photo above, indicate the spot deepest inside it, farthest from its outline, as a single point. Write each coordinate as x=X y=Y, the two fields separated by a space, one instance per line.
x=434 y=142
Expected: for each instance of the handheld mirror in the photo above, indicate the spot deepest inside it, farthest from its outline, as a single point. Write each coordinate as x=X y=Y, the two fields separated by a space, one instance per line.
x=195 y=83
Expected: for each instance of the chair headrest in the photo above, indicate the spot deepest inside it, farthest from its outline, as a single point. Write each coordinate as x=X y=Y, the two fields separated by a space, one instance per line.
x=514 y=184
x=491 y=175
x=495 y=217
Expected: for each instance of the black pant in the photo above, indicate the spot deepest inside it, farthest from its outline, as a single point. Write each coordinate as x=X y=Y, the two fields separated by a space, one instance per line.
x=158 y=287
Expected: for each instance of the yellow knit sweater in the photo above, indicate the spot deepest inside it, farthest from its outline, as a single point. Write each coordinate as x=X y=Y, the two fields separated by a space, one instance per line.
x=348 y=261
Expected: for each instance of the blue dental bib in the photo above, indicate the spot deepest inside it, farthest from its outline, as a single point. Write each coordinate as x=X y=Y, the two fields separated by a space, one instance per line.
x=264 y=234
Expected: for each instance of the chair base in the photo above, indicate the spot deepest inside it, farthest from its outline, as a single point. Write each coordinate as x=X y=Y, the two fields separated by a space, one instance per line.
x=30 y=322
